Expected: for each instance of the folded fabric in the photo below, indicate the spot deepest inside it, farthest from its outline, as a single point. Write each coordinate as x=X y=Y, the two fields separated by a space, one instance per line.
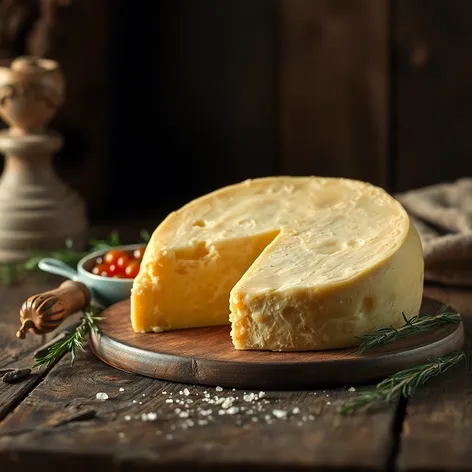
x=442 y=214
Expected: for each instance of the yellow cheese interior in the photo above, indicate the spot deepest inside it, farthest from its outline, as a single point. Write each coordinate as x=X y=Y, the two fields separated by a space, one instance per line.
x=301 y=263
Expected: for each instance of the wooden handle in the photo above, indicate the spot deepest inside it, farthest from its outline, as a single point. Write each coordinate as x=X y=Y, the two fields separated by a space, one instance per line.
x=44 y=312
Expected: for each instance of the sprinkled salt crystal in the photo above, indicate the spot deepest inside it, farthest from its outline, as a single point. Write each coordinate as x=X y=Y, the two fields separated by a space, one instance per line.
x=296 y=410
x=169 y=400
x=352 y=389
x=227 y=403
x=121 y=435
x=190 y=423
x=233 y=410
x=279 y=413
x=134 y=401
x=219 y=389
x=184 y=414
x=144 y=394
x=127 y=418
x=254 y=419
x=164 y=393
x=311 y=417
x=180 y=392
x=249 y=412
x=152 y=416
x=122 y=389
x=202 y=422
x=222 y=412
x=206 y=412
x=189 y=401
x=328 y=403
x=169 y=437
x=186 y=392
x=249 y=397
x=101 y=396
x=261 y=394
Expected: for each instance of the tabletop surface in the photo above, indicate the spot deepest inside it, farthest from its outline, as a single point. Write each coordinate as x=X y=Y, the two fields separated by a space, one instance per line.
x=52 y=420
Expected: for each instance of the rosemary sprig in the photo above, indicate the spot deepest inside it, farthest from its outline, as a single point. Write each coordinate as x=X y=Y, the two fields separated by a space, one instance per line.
x=417 y=324
x=72 y=341
x=404 y=382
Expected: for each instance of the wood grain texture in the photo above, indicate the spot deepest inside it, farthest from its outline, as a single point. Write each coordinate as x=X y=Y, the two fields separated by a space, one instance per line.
x=431 y=91
x=334 y=88
x=15 y=353
x=206 y=356
x=437 y=429
x=61 y=419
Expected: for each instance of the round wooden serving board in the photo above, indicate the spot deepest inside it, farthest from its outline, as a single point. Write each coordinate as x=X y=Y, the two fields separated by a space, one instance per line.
x=206 y=356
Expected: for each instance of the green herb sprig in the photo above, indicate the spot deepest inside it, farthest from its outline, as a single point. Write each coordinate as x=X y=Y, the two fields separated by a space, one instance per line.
x=72 y=341
x=10 y=272
x=417 y=324
x=405 y=382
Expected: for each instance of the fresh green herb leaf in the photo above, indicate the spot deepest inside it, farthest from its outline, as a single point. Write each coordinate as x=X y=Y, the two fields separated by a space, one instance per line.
x=417 y=324
x=404 y=383
x=73 y=341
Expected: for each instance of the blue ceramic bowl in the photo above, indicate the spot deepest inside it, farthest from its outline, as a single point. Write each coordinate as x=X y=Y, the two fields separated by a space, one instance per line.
x=105 y=290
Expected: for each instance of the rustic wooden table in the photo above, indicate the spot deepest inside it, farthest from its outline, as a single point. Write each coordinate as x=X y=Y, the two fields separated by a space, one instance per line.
x=53 y=421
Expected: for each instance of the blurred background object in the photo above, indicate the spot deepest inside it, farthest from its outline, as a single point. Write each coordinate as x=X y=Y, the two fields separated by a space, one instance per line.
x=37 y=210
x=211 y=92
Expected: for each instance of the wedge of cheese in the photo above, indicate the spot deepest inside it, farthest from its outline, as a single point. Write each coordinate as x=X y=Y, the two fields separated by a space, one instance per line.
x=293 y=263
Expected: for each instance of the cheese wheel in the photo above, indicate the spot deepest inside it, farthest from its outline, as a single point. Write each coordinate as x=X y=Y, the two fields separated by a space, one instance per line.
x=293 y=263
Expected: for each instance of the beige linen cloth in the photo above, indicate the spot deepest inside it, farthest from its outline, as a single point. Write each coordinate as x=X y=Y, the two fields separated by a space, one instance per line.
x=442 y=214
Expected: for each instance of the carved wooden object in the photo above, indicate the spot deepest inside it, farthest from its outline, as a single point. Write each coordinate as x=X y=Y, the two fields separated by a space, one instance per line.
x=44 y=312
x=37 y=210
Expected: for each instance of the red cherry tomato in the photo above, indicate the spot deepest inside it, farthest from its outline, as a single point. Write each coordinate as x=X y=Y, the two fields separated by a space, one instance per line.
x=132 y=270
x=112 y=256
x=122 y=262
x=139 y=253
x=102 y=269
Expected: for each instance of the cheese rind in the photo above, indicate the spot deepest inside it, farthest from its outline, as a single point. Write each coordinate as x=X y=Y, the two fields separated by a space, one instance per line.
x=302 y=263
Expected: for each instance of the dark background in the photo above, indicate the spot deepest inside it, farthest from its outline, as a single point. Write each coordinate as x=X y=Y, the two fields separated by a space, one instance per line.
x=210 y=92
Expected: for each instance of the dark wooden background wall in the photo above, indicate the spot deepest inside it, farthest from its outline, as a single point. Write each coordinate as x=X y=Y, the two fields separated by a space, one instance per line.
x=211 y=92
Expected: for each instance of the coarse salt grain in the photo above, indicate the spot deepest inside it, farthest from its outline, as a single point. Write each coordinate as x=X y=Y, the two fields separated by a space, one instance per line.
x=233 y=410
x=261 y=394
x=352 y=389
x=186 y=392
x=127 y=418
x=101 y=396
x=122 y=389
x=296 y=410
x=279 y=413
x=249 y=397
x=219 y=389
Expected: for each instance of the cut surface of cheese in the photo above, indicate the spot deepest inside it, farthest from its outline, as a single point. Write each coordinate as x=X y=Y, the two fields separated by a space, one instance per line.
x=293 y=263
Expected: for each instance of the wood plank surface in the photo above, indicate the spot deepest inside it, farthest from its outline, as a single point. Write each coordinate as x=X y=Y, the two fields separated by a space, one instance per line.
x=62 y=418
x=431 y=79
x=334 y=88
x=437 y=430
x=185 y=356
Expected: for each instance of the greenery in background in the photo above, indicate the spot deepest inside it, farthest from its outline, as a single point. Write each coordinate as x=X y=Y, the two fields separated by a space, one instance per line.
x=72 y=341
x=69 y=255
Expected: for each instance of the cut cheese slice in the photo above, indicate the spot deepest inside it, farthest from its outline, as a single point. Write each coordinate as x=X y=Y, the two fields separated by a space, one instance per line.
x=293 y=263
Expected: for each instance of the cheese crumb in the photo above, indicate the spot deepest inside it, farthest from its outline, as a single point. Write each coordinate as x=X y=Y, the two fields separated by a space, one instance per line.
x=101 y=396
